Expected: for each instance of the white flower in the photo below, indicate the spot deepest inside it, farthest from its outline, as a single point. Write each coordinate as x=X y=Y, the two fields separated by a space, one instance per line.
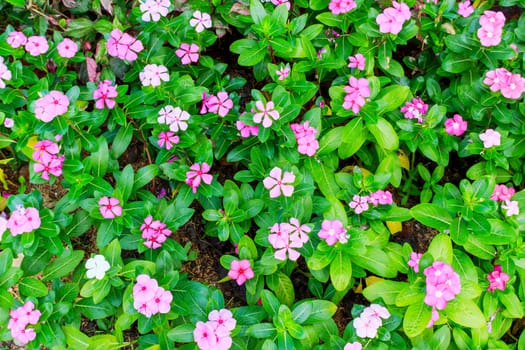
x=511 y=207
x=152 y=10
x=200 y=21
x=153 y=74
x=97 y=267
x=5 y=73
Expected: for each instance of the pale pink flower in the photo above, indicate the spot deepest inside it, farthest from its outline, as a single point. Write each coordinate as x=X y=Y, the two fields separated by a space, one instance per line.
x=123 y=45
x=490 y=138
x=332 y=231
x=497 y=279
x=204 y=336
x=279 y=2
x=240 y=271
x=389 y=22
x=285 y=246
x=299 y=231
x=279 y=232
x=49 y=165
x=278 y=182
x=197 y=174
x=153 y=74
x=167 y=139
x=16 y=39
x=154 y=232
x=359 y=203
x=438 y=295
x=283 y=72
x=50 y=106
x=511 y=207
x=162 y=300
x=353 y=346
x=246 y=130
x=67 y=48
x=36 y=45
x=465 y=9
x=341 y=6
x=502 y=193
x=105 y=94
x=380 y=197
x=305 y=137
x=376 y=310
x=492 y=18
x=188 y=53
x=358 y=61
x=497 y=78
x=145 y=288
x=265 y=114
x=176 y=118
x=20 y=318
x=442 y=284
x=109 y=207
x=5 y=73
x=513 y=87
x=414 y=261
x=366 y=327
x=220 y=104
x=44 y=149
x=23 y=220
x=9 y=123
x=222 y=321
x=455 y=126
x=489 y=35
x=200 y=21
x=152 y=10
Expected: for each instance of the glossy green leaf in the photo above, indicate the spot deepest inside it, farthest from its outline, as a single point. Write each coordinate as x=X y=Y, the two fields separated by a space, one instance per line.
x=341 y=271
x=432 y=215
x=63 y=265
x=416 y=319
x=384 y=134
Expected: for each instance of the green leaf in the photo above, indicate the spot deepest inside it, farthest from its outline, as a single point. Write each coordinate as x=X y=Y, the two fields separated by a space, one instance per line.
x=384 y=134
x=432 y=215
x=32 y=287
x=94 y=311
x=322 y=310
x=122 y=141
x=513 y=307
x=323 y=177
x=416 y=319
x=377 y=261
x=79 y=28
x=261 y=331
x=441 y=248
x=6 y=259
x=62 y=265
x=182 y=333
x=320 y=259
x=465 y=313
x=282 y=287
x=441 y=338
x=354 y=136
x=75 y=339
x=391 y=98
x=329 y=19
x=257 y=11
x=456 y=63
x=384 y=289
x=100 y=158
x=341 y=271
x=145 y=175
x=412 y=293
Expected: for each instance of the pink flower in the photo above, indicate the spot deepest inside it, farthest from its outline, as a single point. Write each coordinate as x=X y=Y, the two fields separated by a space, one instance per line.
x=152 y=74
x=490 y=138
x=380 y=197
x=359 y=203
x=154 y=232
x=389 y=21
x=204 y=336
x=200 y=21
x=502 y=193
x=492 y=18
x=305 y=137
x=497 y=78
x=341 y=6
x=442 y=285
x=278 y=182
x=67 y=48
x=49 y=165
x=283 y=72
x=44 y=149
x=222 y=321
x=109 y=207
x=465 y=9
x=36 y=45
x=51 y=105
x=5 y=73
x=511 y=207
x=299 y=231
x=414 y=261
x=247 y=130
x=220 y=104
x=188 y=53
x=9 y=123
x=357 y=91
x=265 y=114
x=438 y=296
x=23 y=220
x=489 y=35
x=284 y=243
x=497 y=279
x=20 y=318
x=366 y=327
x=415 y=109
x=168 y=139
x=455 y=126
x=145 y=288
x=162 y=300
x=123 y=45
x=514 y=87
x=240 y=271
x=433 y=317
x=279 y=2
x=197 y=174
x=152 y=10
x=377 y=311
x=16 y=39
x=105 y=94
x=174 y=117
x=358 y=61
x=332 y=231
x=353 y=346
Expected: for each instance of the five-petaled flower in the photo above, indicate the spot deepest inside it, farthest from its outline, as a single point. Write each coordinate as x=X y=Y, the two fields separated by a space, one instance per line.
x=67 y=48
x=490 y=138
x=265 y=114
x=198 y=173
x=278 y=182
x=153 y=74
x=123 y=45
x=188 y=53
x=50 y=106
x=96 y=267
x=109 y=207
x=497 y=279
x=105 y=94
x=200 y=21
x=240 y=271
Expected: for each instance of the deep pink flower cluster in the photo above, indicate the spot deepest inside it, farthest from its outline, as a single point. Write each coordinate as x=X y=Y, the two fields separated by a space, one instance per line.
x=497 y=279
x=150 y=299
x=356 y=92
x=368 y=322
x=123 y=45
x=442 y=285
x=305 y=137
x=332 y=231
x=154 y=232
x=215 y=333
x=361 y=203
x=415 y=109
x=50 y=106
x=511 y=85
x=240 y=271
x=341 y=6
x=391 y=20
x=491 y=29
x=455 y=126
x=47 y=160
x=35 y=45
x=23 y=220
x=19 y=319
x=220 y=104
x=198 y=173
x=105 y=94
x=502 y=193
x=286 y=236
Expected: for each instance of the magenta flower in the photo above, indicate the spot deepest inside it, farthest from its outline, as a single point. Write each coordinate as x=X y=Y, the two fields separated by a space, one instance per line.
x=153 y=74
x=44 y=149
x=497 y=78
x=489 y=35
x=490 y=138
x=105 y=94
x=162 y=300
x=359 y=203
x=152 y=10
x=23 y=220
x=502 y=193
x=200 y=21
x=465 y=9
x=5 y=73
x=265 y=114
x=188 y=53
x=358 y=61
x=442 y=285
x=341 y=6
x=414 y=261
x=283 y=72
x=167 y=139
x=16 y=39
x=357 y=90
x=492 y=18
x=49 y=165
x=154 y=232
x=50 y=106
x=415 y=109
x=109 y=207
x=305 y=137
x=455 y=126
x=67 y=48
x=150 y=299
x=197 y=174
x=123 y=45
x=278 y=182
x=220 y=104
x=36 y=45
x=497 y=279
x=514 y=87
x=247 y=130
x=240 y=271
x=332 y=231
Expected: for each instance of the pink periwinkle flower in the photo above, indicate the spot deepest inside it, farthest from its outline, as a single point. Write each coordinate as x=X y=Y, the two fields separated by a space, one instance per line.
x=222 y=322
x=215 y=333
x=36 y=45
x=152 y=10
x=220 y=104
x=433 y=317
x=188 y=53
x=44 y=149
x=497 y=78
x=359 y=203
x=497 y=279
x=176 y=118
x=380 y=197
x=511 y=208
x=279 y=2
x=153 y=74
x=465 y=8
x=368 y=322
x=50 y=106
x=358 y=61
x=67 y=48
x=341 y=6
x=414 y=261
x=391 y=20
x=357 y=90
x=240 y=271
x=109 y=207
x=19 y=319
x=492 y=18
x=154 y=232
x=502 y=193
x=123 y=45
x=105 y=95
x=5 y=73
x=283 y=72
x=415 y=109
x=167 y=139
x=16 y=39
x=266 y=114
x=149 y=298
x=284 y=244
x=200 y=21
x=455 y=126
x=9 y=123
x=332 y=231
x=204 y=336
x=198 y=173
x=305 y=136
x=49 y=165
x=514 y=87
x=278 y=182
x=23 y=220
x=490 y=138
x=299 y=231
x=442 y=284
x=246 y=130
x=489 y=35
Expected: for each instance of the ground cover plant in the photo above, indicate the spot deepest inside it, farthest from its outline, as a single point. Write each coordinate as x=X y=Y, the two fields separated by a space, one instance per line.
x=303 y=139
